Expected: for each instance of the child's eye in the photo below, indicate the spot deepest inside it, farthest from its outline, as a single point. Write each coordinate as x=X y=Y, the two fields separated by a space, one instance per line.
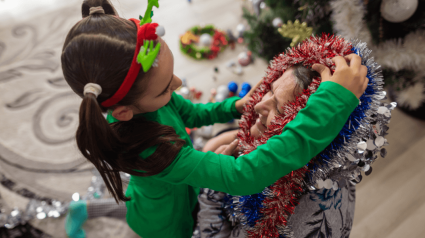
x=166 y=91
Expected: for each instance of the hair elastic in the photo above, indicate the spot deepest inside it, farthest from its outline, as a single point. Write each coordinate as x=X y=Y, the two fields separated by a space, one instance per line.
x=93 y=88
x=94 y=10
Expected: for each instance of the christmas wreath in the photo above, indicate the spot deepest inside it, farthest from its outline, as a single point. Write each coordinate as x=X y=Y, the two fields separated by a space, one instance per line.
x=353 y=151
x=213 y=40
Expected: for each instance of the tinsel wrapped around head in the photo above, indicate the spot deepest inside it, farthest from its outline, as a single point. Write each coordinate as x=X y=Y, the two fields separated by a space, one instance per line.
x=351 y=152
x=314 y=50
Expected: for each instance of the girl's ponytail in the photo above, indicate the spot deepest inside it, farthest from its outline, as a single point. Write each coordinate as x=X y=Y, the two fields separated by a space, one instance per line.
x=99 y=49
x=99 y=143
x=114 y=148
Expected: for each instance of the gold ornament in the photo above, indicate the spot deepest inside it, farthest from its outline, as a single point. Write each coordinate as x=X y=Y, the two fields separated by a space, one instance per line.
x=298 y=32
x=189 y=37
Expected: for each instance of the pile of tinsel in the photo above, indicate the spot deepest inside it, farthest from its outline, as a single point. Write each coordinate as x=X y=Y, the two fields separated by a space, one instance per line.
x=44 y=208
x=352 y=151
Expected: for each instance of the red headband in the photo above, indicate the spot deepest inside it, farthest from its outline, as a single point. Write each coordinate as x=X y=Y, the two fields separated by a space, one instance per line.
x=145 y=32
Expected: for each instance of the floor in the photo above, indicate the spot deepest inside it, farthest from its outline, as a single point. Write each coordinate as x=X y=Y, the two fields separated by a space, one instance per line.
x=32 y=95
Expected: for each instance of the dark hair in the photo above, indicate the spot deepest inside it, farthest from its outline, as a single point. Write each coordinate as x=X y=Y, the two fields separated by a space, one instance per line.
x=303 y=77
x=99 y=49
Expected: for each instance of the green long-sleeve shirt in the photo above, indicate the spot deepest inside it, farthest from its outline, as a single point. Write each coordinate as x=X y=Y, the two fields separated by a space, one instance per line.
x=161 y=205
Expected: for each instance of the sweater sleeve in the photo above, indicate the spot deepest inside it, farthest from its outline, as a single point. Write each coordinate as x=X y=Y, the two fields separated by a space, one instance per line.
x=199 y=114
x=308 y=134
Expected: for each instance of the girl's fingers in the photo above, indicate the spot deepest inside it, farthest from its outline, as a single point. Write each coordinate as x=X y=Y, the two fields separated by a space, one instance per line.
x=325 y=72
x=339 y=62
x=355 y=60
x=363 y=71
x=365 y=84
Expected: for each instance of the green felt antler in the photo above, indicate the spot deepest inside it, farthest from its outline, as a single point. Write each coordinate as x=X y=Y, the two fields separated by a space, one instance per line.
x=147 y=18
x=147 y=54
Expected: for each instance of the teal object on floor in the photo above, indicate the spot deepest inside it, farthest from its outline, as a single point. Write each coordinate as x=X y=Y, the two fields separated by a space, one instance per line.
x=77 y=215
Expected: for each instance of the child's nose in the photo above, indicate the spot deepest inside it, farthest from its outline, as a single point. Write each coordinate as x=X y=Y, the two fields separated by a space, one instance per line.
x=177 y=82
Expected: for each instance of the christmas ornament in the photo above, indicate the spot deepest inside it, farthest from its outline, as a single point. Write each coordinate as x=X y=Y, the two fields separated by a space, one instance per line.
x=256 y=5
x=238 y=70
x=231 y=39
x=232 y=86
x=50 y=208
x=223 y=89
x=265 y=214
x=240 y=29
x=399 y=48
x=398 y=10
x=195 y=94
x=245 y=88
x=184 y=92
x=205 y=131
x=222 y=93
x=296 y=31
x=220 y=97
x=230 y=36
x=230 y=64
x=209 y=51
x=205 y=39
x=244 y=58
x=277 y=22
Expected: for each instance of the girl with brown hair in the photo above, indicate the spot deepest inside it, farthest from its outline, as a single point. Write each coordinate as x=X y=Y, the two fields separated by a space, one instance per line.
x=144 y=134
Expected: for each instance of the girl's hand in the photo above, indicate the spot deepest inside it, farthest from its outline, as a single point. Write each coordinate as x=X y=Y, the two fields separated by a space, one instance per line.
x=351 y=77
x=240 y=103
x=227 y=149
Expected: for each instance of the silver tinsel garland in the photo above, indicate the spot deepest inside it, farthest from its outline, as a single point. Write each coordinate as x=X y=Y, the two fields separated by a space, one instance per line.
x=366 y=142
x=353 y=151
x=38 y=209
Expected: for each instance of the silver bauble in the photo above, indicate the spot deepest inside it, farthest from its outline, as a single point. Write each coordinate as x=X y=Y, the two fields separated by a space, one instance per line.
x=240 y=29
x=223 y=89
x=205 y=39
x=398 y=10
x=220 y=97
x=277 y=22
x=184 y=92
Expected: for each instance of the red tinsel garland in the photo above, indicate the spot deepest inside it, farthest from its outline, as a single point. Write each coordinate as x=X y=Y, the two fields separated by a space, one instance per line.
x=286 y=191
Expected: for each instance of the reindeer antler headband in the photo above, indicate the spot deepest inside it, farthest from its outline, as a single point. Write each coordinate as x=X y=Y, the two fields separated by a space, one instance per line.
x=144 y=55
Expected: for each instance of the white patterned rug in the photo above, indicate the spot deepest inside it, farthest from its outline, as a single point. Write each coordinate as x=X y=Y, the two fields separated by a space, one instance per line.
x=38 y=118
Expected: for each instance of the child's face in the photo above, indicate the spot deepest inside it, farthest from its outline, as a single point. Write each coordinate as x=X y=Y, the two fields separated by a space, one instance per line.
x=162 y=82
x=282 y=91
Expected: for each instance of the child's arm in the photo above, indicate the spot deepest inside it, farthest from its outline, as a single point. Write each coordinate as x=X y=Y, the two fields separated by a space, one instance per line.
x=199 y=114
x=310 y=132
